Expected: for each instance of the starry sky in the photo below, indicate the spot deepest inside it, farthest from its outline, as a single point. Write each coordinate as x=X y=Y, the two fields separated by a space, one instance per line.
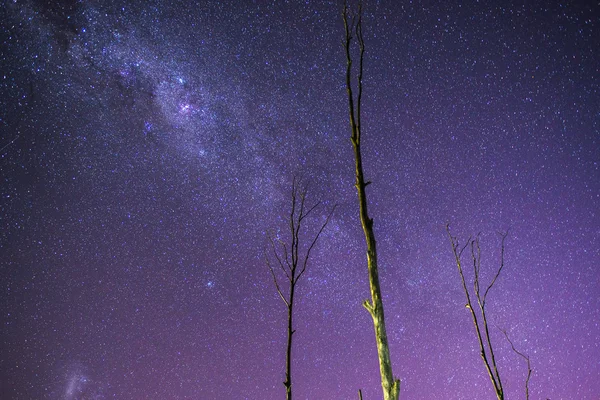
x=147 y=146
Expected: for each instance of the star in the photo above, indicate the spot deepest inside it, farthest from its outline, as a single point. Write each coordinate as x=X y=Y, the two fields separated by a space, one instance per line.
x=147 y=148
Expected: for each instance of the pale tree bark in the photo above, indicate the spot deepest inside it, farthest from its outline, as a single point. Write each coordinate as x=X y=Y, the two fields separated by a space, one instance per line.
x=292 y=259
x=480 y=319
x=353 y=30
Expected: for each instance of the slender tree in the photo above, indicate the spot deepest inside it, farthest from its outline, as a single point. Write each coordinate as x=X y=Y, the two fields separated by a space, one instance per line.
x=480 y=318
x=480 y=322
x=353 y=31
x=291 y=257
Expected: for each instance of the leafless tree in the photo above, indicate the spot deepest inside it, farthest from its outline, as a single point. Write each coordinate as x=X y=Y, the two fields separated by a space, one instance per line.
x=481 y=322
x=291 y=257
x=480 y=318
x=353 y=32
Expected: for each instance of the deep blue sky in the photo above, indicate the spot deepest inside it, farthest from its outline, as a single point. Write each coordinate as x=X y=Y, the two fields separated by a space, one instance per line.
x=146 y=147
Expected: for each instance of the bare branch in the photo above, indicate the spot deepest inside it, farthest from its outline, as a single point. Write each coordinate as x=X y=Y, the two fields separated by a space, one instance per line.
x=286 y=256
x=468 y=242
x=275 y=280
x=503 y=235
x=369 y=306
x=276 y=254
x=476 y=256
x=315 y=241
x=529 y=370
x=304 y=215
x=278 y=288
x=482 y=300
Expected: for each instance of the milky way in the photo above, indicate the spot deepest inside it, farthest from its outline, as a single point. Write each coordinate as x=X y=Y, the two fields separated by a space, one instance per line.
x=148 y=146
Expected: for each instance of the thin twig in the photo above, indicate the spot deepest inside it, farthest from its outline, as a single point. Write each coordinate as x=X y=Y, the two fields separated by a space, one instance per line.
x=315 y=241
x=526 y=357
x=275 y=280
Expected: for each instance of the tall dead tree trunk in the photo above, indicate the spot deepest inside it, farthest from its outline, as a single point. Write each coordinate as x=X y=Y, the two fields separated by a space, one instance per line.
x=288 y=257
x=353 y=26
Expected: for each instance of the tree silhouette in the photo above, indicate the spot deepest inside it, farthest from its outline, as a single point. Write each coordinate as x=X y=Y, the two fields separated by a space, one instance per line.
x=287 y=255
x=353 y=26
x=480 y=319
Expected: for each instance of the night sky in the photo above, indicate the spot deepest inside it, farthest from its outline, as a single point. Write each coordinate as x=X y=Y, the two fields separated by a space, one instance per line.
x=147 y=146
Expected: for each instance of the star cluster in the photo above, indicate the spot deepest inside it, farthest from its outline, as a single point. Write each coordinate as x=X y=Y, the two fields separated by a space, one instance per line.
x=146 y=147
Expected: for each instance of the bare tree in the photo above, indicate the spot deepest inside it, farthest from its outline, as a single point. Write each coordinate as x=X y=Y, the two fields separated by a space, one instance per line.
x=481 y=327
x=480 y=319
x=287 y=256
x=353 y=26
